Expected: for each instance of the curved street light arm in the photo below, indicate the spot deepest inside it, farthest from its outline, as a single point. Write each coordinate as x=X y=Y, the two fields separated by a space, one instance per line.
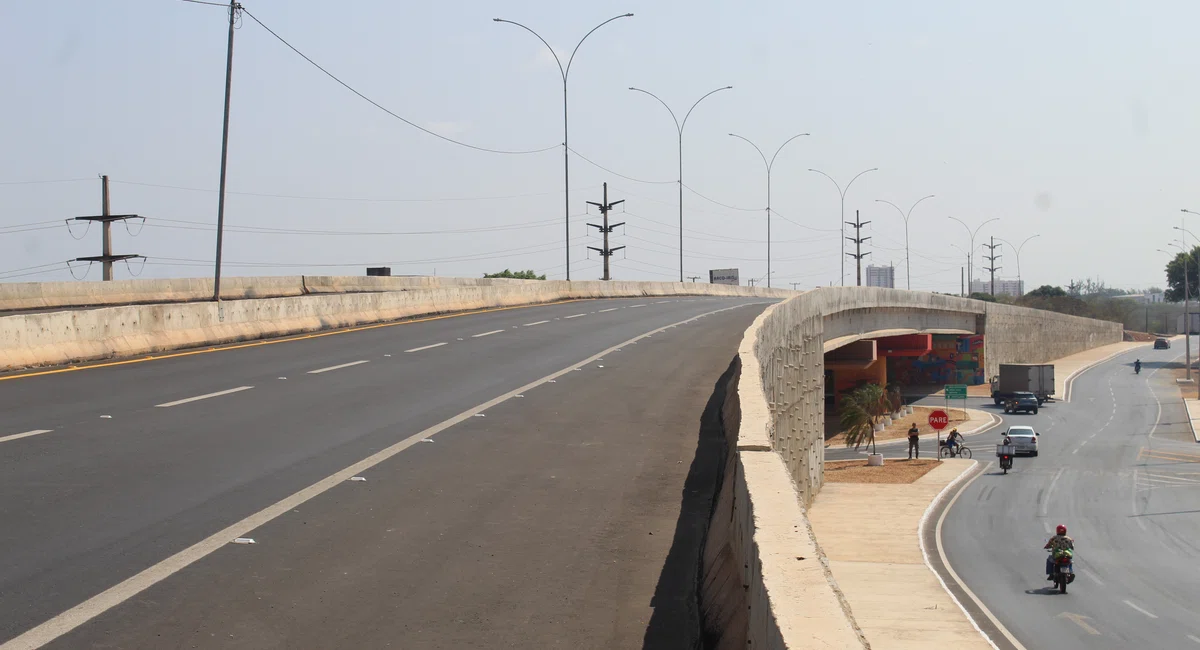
x=554 y=54
x=678 y=127
x=898 y=208
x=914 y=205
x=982 y=225
x=689 y=113
x=835 y=183
x=873 y=169
x=760 y=153
x=785 y=142
x=585 y=36
x=964 y=225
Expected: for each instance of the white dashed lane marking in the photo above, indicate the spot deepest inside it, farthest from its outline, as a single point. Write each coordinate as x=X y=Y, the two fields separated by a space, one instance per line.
x=426 y=347
x=337 y=367
x=475 y=336
x=27 y=434
x=536 y=323
x=206 y=396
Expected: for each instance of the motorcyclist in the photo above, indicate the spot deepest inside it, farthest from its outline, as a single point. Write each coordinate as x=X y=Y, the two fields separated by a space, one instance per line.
x=1137 y=367
x=1060 y=542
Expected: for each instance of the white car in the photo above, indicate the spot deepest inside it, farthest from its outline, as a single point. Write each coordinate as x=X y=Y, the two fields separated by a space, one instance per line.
x=1024 y=440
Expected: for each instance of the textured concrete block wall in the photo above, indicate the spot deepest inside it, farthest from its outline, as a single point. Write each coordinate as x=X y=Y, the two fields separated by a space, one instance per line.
x=1019 y=335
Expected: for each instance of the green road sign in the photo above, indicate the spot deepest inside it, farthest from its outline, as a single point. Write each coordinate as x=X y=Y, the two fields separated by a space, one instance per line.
x=956 y=391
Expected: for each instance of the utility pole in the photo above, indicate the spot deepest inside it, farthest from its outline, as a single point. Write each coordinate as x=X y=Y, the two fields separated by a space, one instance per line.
x=992 y=260
x=606 y=252
x=795 y=284
x=751 y=281
x=962 y=281
x=106 y=257
x=858 y=240
x=693 y=278
x=234 y=8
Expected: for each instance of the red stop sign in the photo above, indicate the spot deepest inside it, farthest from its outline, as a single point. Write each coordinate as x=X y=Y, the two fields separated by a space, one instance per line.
x=938 y=420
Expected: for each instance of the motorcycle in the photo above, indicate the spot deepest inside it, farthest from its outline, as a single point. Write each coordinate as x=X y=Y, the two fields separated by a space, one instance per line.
x=1005 y=453
x=1064 y=571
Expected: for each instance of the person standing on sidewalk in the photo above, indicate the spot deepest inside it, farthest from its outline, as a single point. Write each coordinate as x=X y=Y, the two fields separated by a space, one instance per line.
x=914 y=439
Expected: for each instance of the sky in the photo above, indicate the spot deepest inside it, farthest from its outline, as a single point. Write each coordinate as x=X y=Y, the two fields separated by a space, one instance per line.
x=1068 y=120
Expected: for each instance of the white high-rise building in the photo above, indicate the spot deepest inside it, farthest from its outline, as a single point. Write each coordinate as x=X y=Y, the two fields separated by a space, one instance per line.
x=1014 y=288
x=881 y=276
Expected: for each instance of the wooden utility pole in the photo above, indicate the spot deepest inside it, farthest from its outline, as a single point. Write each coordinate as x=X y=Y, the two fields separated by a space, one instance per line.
x=606 y=252
x=858 y=240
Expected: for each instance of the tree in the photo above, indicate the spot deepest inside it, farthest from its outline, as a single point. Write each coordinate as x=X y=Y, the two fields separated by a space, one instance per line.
x=519 y=275
x=986 y=297
x=1047 y=291
x=1174 y=270
x=862 y=409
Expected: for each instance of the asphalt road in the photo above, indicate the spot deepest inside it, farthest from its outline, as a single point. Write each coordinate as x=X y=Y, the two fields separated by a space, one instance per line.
x=1118 y=466
x=566 y=516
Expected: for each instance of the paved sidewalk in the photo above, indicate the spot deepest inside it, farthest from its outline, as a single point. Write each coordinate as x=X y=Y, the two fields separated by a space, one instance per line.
x=896 y=600
x=1193 y=411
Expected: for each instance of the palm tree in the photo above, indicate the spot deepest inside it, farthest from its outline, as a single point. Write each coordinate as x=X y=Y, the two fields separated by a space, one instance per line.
x=861 y=410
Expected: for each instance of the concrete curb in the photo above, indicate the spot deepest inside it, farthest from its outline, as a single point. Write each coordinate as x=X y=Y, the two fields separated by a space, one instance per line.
x=953 y=486
x=1191 y=420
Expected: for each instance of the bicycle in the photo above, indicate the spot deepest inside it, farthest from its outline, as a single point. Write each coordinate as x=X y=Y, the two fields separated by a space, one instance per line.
x=962 y=451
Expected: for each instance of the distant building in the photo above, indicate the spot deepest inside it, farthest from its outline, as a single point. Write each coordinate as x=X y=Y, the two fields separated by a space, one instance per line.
x=881 y=276
x=1014 y=288
x=1145 y=298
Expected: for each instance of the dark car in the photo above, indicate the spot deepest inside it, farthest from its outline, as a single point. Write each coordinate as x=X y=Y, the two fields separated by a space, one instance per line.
x=1162 y=344
x=1022 y=403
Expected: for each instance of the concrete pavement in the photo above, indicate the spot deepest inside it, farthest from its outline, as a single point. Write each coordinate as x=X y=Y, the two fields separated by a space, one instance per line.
x=869 y=534
x=533 y=526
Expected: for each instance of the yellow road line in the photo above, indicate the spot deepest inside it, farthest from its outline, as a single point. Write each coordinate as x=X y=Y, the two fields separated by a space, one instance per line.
x=285 y=339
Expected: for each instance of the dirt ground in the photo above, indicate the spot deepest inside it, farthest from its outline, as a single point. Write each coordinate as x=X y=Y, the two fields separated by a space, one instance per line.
x=899 y=428
x=1131 y=335
x=899 y=470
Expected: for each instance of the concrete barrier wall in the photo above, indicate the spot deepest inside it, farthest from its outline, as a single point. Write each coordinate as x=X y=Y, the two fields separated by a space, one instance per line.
x=88 y=334
x=50 y=295
x=759 y=533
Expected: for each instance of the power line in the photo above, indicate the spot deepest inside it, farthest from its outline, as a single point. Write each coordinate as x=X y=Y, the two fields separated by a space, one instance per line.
x=628 y=178
x=723 y=205
x=55 y=180
x=266 y=230
x=352 y=198
x=381 y=107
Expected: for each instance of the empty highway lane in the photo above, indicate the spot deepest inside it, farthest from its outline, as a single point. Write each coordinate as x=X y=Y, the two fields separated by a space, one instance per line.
x=505 y=479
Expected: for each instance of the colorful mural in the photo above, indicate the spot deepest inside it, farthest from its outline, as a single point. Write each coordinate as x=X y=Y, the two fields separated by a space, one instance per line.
x=954 y=360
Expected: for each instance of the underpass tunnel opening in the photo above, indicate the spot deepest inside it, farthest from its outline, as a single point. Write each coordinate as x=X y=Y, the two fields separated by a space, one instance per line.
x=917 y=364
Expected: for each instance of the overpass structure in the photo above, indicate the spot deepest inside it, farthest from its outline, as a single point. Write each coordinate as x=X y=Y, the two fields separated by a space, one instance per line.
x=352 y=405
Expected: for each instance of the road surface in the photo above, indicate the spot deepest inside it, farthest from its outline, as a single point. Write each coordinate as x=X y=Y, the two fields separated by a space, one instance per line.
x=1119 y=467
x=567 y=515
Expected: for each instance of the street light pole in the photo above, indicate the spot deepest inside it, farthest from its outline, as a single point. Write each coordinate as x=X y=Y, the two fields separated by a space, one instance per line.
x=842 y=219
x=1019 y=283
x=769 y=164
x=970 y=258
x=679 y=129
x=564 y=71
x=906 y=215
x=1187 y=317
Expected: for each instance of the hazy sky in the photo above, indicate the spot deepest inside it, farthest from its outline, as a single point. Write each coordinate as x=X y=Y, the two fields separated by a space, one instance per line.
x=1073 y=120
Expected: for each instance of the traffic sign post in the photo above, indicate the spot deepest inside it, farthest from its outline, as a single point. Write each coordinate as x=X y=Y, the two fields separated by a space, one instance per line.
x=938 y=420
x=956 y=391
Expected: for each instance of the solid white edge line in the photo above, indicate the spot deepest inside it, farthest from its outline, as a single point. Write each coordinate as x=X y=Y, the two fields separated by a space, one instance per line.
x=27 y=434
x=536 y=323
x=426 y=347
x=946 y=563
x=575 y=316
x=1070 y=380
x=200 y=397
x=67 y=621
x=475 y=336
x=337 y=367
x=1140 y=609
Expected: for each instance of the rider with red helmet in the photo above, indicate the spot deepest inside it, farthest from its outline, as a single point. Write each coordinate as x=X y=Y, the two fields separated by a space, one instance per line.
x=1060 y=542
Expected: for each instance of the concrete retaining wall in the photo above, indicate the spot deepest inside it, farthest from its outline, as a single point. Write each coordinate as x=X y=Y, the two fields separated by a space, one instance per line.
x=759 y=538
x=69 y=336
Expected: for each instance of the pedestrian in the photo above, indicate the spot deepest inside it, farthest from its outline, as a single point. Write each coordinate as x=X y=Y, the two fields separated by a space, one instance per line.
x=914 y=437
